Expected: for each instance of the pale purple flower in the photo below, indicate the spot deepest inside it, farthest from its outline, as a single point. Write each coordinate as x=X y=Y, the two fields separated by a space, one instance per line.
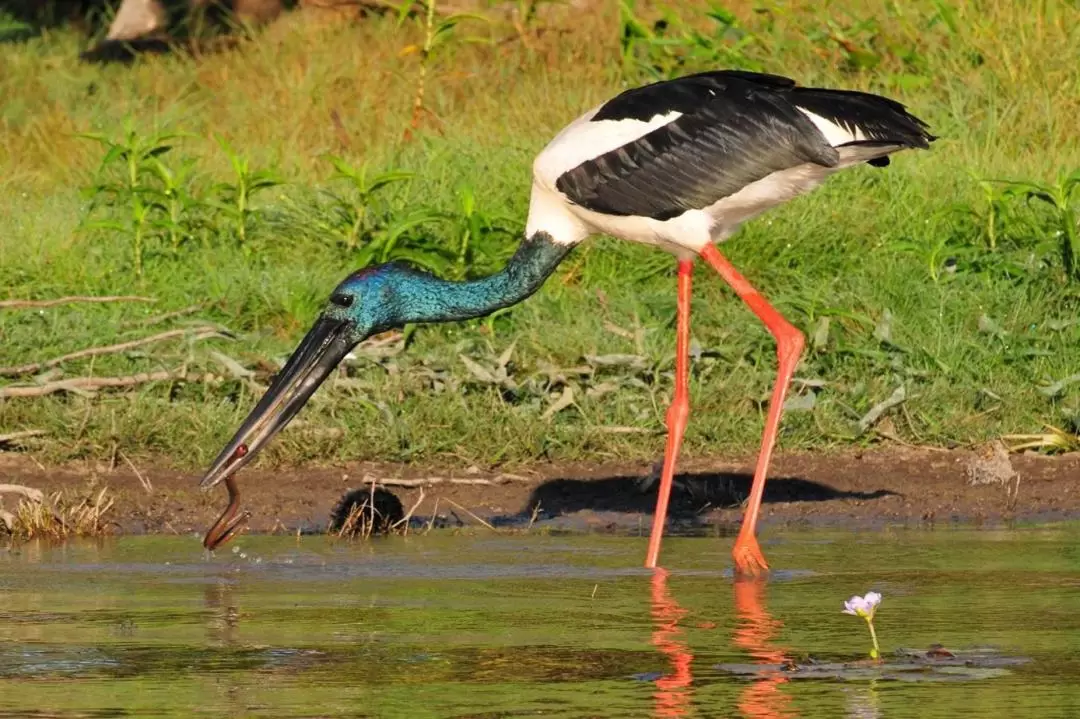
x=863 y=606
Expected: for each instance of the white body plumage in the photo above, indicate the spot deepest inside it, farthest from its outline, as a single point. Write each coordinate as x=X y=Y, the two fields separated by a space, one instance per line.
x=568 y=220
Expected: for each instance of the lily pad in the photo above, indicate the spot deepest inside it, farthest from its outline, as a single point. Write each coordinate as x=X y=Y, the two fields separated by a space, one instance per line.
x=934 y=665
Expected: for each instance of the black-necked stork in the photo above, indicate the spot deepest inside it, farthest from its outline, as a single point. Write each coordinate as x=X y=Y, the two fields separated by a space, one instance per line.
x=679 y=164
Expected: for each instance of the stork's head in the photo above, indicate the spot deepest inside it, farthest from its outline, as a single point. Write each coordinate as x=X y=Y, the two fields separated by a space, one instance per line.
x=365 y=303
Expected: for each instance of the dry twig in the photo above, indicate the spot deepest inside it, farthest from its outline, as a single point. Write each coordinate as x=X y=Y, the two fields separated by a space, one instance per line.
x=478 y=519
x=404 y=521
x=144 y=481
x=434 y=516
x=89 y=385
x=16 y=437
x=197 y=333
x=28 y=304
x=34 y=495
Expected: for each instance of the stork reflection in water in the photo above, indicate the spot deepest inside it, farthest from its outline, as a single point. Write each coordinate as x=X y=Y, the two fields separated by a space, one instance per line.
x=755 y=631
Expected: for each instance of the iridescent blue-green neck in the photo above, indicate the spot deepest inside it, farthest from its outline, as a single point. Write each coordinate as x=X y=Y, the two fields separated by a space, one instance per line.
x=421 y=297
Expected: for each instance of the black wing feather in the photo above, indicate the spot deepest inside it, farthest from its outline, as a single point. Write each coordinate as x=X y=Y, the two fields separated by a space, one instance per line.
x=736 y=128
x=732 y=133
x=684 y=94
x=878 y=117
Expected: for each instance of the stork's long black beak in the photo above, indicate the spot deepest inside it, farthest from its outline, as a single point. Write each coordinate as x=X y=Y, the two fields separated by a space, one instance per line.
x=324 y=346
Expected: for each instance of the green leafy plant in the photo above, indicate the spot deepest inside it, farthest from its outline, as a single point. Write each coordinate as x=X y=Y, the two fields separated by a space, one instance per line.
x=399 y=239
x=370 y=226
x=234 y=198
x=473 y=230
x=356 y=219
x=174 y=199
x=1060 y=197
x=1000 y=236
x=124 y=175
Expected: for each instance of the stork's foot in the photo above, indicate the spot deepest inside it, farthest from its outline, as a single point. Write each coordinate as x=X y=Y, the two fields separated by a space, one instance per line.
x=749 y=561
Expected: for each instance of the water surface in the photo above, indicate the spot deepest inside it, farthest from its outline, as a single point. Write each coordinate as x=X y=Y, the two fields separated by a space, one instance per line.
x=448 y=625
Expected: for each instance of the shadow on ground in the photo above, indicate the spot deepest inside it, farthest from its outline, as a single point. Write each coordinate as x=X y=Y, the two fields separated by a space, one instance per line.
x=611 y=504
x=692 y=497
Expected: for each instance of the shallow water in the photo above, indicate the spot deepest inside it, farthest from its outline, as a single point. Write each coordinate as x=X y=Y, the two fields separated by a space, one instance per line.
x=449 y=625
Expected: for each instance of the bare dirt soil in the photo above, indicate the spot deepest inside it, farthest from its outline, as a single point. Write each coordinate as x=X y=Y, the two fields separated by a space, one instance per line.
x=886 y=485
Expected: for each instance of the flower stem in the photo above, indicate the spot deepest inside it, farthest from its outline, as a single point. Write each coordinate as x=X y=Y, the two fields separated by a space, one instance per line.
x=875 y=653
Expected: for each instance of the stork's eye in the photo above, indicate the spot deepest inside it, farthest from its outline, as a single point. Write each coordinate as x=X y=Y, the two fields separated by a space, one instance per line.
x=341 y=299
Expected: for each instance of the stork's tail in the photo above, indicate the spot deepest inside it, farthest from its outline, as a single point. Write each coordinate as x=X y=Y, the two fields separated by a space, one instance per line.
x=861 y=118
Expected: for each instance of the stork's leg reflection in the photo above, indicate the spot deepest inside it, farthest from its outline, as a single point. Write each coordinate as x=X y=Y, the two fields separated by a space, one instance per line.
x=672 y=690
x=754 y=633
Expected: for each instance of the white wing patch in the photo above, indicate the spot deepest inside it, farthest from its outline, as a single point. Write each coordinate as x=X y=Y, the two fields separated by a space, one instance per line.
x=584 y=140
x=835 y=133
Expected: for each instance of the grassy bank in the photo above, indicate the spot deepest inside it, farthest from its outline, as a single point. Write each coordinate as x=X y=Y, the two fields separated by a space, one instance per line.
x=924 y=275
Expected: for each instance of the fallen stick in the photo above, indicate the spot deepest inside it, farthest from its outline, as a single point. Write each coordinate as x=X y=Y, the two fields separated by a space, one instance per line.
x=408 y=515
x=27 y=304
x=432 y=481
x=142 y=480
x=34 y=495
x=14 y=437
x=88 y=385
x=466 y=511
x=198 y=333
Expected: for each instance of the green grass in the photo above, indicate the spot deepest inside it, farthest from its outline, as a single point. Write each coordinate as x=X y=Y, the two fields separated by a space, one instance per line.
x=921 y=275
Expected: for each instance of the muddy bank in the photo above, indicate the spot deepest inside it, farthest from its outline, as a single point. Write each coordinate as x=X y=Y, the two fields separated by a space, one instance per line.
x=865 y=488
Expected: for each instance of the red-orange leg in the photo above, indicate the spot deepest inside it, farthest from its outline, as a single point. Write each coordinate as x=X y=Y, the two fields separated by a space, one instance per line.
x=789 y=347
x=677 y=413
